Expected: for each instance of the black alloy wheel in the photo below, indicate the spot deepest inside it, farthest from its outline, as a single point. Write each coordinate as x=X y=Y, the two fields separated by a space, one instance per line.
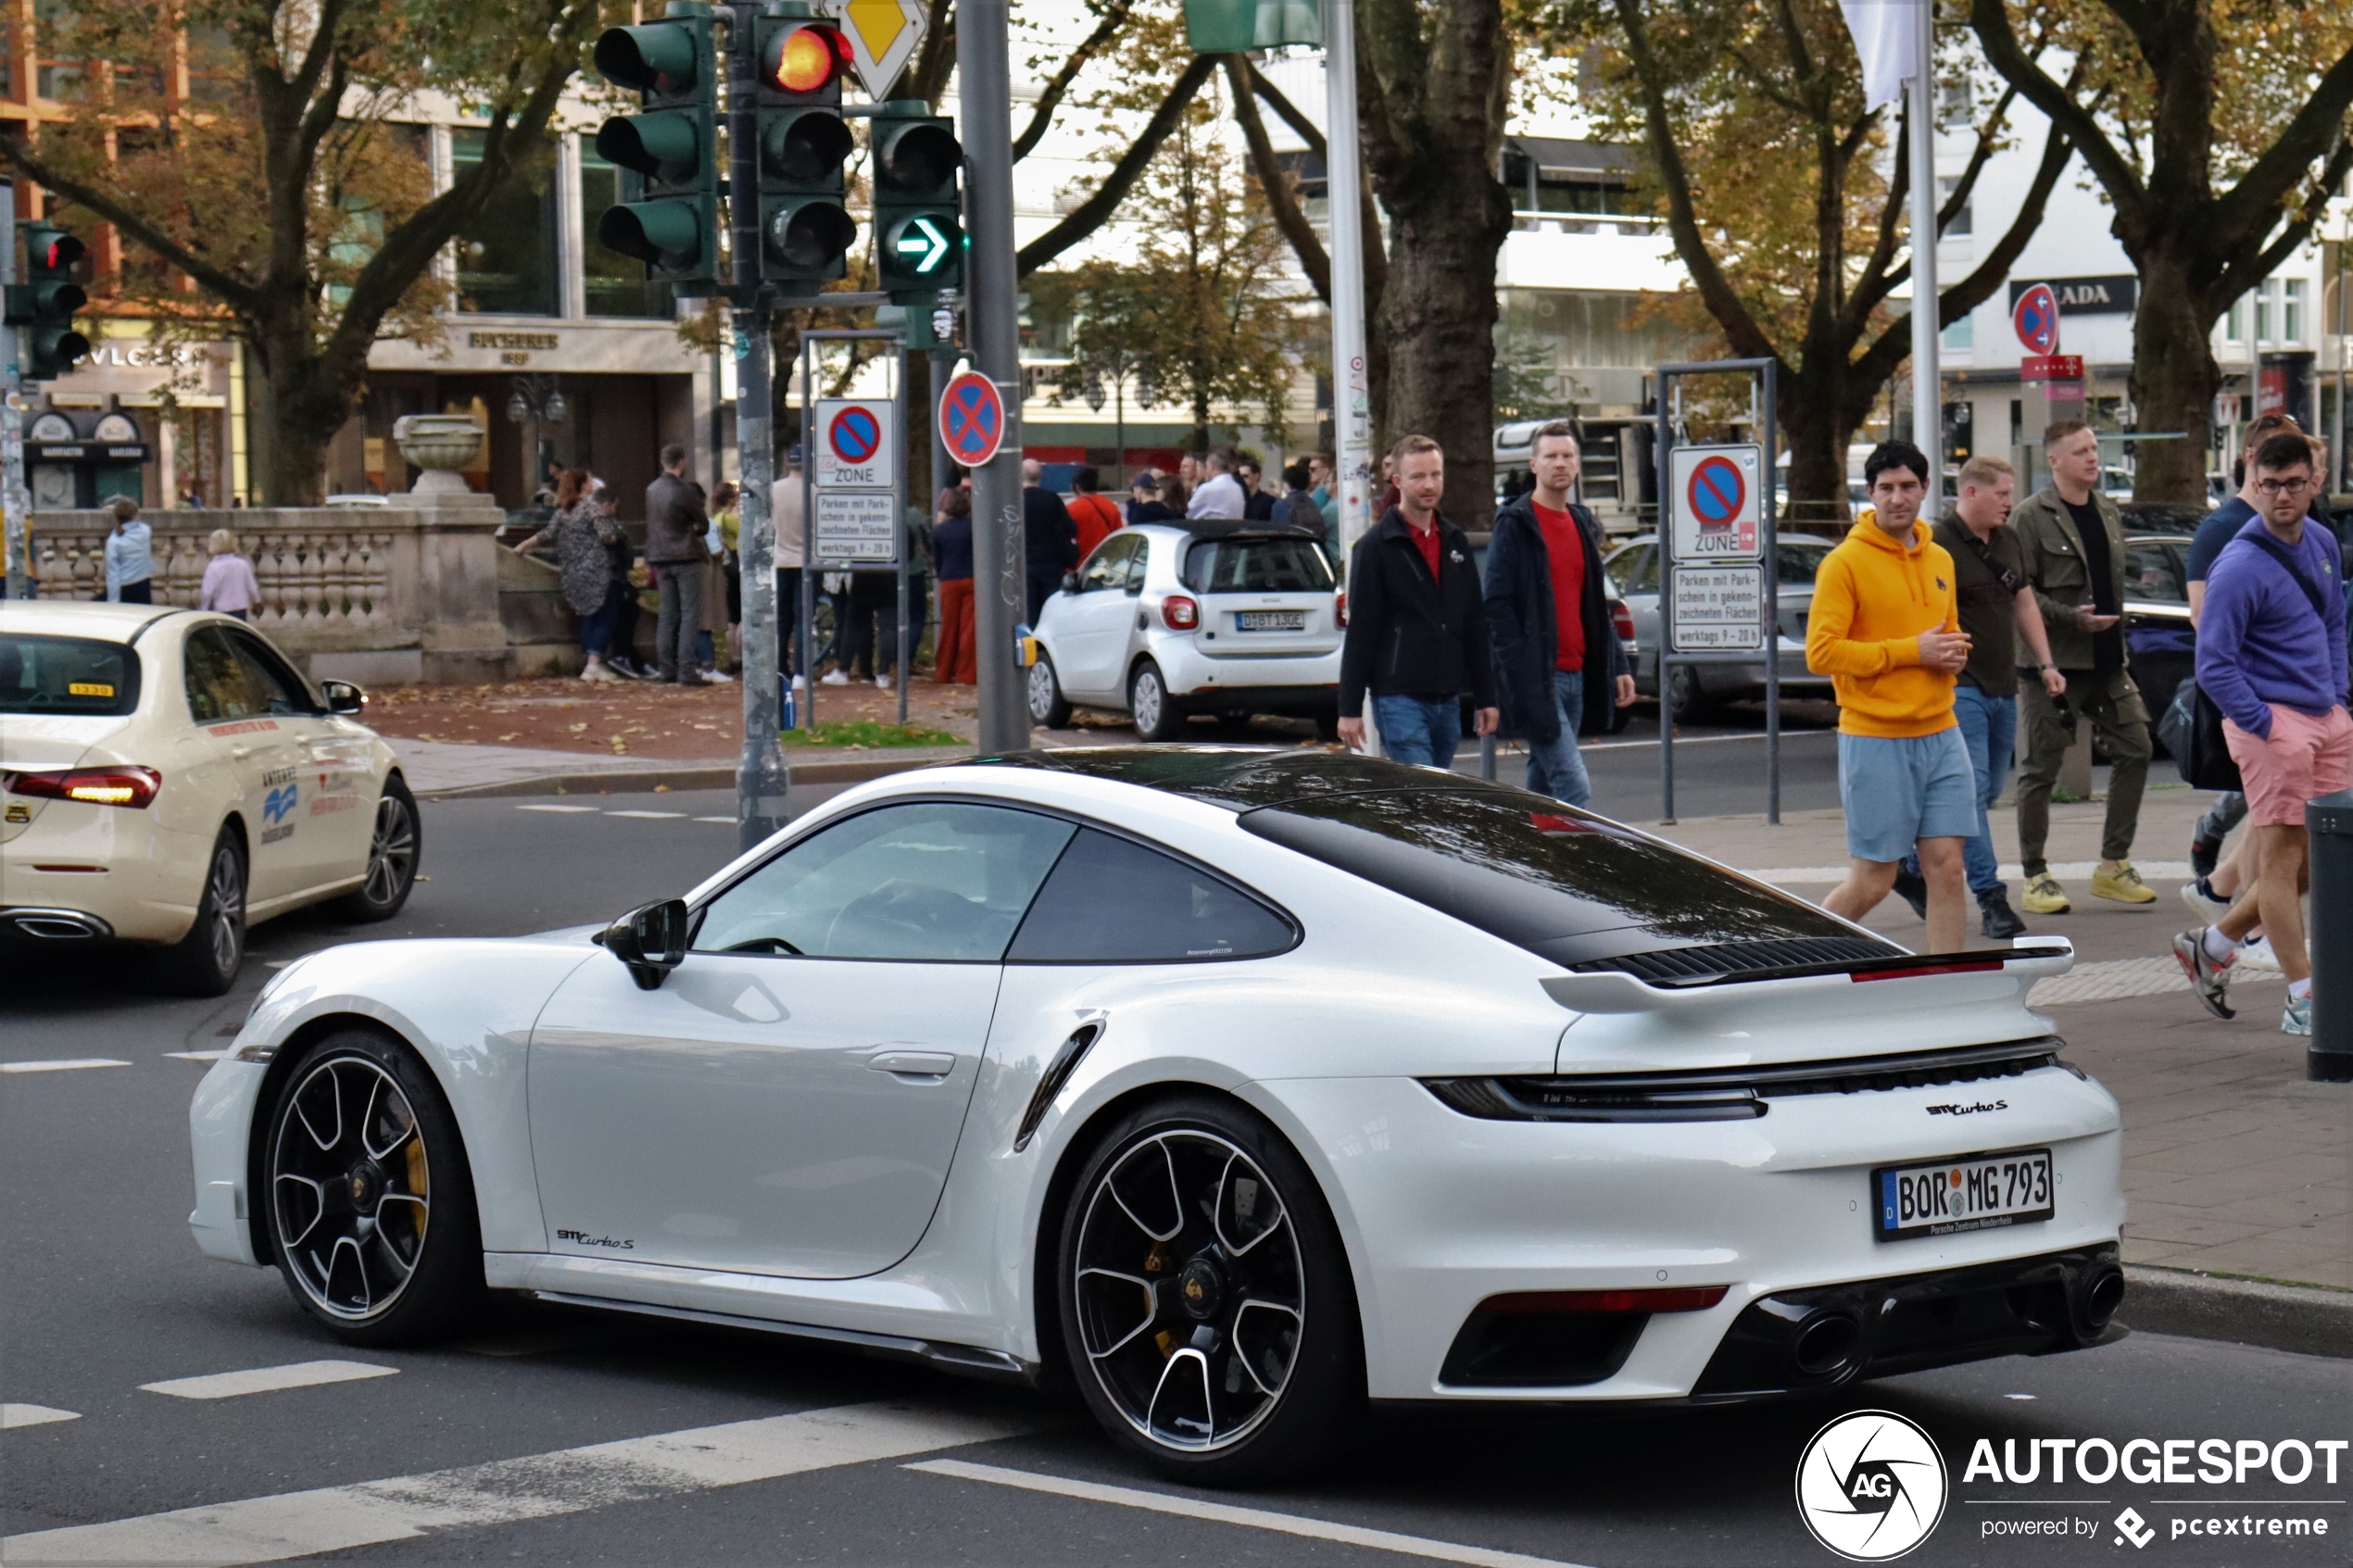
x=205 y=962
x=1206 y=1309
x=370 y=1205
x=395 y=843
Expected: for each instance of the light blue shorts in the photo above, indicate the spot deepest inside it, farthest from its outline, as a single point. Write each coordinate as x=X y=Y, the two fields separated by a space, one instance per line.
x=1896 y=792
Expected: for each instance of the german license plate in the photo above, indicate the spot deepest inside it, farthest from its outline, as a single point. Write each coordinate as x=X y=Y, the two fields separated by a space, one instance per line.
x=1976 y=1192
x=1270 y=620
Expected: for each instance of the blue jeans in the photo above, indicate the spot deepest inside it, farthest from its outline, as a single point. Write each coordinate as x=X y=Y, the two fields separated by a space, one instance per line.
x=1415 y=731
x=1989 y=728
x=597 y=626
x=1555 y=766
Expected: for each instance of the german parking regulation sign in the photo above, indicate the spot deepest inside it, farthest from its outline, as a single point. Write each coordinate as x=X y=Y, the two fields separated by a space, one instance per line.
x=2036 y=318
x=857 y=444
x=1715 y=498
x=971 y=419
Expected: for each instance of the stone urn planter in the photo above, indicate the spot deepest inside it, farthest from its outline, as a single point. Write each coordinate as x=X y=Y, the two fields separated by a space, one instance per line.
x=441 y=445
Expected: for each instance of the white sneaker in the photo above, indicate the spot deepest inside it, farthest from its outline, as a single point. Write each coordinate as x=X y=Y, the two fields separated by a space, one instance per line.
x=2208 y=910
x=833 y=678
x=882 y=683
x=2258 y=954
x=719 y=676
x=800 y=683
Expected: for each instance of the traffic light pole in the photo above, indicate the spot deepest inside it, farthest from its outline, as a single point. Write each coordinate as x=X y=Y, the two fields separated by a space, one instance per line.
x=1000 y=589
x=761 y=777
x=12 y=489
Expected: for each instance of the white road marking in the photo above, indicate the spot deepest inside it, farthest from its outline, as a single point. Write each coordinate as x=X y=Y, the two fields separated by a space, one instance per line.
x=271 y=1529
x=1250 y=1518
x=197 y=1056
x=729 y=821
x=14 y=1416
x=267 y=1379
x=73 y=1064
x=563 y=809
x=653 y=814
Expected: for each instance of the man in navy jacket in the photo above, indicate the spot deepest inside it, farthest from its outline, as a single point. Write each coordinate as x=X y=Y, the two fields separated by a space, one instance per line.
x=1559 y=667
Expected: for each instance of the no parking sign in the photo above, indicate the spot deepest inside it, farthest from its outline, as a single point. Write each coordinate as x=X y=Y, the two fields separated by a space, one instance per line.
x=856 y=449
x=1714 y=496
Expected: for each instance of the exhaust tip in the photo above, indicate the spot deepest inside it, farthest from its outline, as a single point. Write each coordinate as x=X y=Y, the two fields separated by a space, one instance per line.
x=1826 y=1343
x=2103 y=1295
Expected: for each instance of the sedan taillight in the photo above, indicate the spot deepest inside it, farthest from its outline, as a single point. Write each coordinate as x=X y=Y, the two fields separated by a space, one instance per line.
x=1340 y=608
x=1180 y=613
x=96 y=786
x=1623 y=618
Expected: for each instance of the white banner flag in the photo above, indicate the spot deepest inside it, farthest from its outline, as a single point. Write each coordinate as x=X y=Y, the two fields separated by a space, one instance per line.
x=1887 y=37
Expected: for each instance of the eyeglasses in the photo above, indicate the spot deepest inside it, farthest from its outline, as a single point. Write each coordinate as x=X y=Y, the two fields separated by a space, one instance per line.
x=2284 y=486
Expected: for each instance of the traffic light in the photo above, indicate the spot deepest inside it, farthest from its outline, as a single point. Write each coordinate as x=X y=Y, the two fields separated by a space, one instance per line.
x=44 y=304
x=672 y=146
x=805 y=229
x=918 y=165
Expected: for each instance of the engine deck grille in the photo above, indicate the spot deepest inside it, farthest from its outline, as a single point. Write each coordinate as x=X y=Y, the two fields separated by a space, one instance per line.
x=1669 y=966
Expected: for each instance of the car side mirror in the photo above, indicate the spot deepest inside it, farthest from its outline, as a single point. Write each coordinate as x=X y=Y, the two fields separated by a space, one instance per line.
x=1070 y=581
x=342 y=696
x=651 y=939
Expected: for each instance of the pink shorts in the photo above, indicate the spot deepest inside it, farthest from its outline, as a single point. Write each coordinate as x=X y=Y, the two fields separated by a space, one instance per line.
x=2302 y=758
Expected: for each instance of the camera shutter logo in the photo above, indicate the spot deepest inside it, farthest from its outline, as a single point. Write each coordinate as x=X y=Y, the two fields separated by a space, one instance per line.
x=1871 y=1486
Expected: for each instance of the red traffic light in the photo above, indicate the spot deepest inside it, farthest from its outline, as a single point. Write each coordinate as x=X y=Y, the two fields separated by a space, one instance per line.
x=63 y=252
x=807 y=59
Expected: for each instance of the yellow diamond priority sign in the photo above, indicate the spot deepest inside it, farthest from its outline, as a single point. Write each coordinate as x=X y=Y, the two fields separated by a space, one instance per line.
x=883 y=35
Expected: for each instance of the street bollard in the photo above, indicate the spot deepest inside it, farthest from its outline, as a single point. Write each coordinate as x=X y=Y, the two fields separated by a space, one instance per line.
x=2328 y=825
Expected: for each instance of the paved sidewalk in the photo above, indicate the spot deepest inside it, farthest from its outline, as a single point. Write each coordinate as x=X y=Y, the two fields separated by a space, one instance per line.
x=2233 y=1162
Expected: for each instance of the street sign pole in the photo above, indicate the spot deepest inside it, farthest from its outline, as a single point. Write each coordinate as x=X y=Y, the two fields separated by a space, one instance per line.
x=1000 y=589
x=12 y=490
x=1928 y=398
x=1351 y=391
x=762 y=778
x=1729 y=501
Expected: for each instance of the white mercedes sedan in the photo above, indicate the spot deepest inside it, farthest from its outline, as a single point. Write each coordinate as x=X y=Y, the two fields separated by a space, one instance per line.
x=1230 y=1088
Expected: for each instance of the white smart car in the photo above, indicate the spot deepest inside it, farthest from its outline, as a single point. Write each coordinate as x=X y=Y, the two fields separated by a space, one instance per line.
x=1231 y=1087
x=1161 y=623
x=167 y=778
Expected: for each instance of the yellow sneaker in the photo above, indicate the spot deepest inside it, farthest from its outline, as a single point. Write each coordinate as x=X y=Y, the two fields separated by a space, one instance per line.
x=2046 y=897
x=2124 y=885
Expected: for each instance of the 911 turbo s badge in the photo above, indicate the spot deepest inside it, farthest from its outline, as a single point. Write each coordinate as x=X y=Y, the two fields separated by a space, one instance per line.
x=582 y=1238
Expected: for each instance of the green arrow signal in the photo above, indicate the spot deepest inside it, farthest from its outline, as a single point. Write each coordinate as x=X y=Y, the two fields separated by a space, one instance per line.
x=921 y=238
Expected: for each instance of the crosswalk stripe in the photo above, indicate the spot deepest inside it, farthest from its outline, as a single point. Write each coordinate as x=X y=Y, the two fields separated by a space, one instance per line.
x=14 y=1416
x=563 y=809
x=265 y=1379
x=652 y=815
x=1250 y=1518
x=71 y=1064
x=271 y=1529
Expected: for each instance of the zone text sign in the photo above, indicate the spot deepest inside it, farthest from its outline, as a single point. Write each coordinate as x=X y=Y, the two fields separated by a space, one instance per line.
x=857 y=444
x=1719 y=607
x=856 y=527
x=1715 y=494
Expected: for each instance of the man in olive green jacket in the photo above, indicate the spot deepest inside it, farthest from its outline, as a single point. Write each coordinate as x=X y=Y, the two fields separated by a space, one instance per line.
x=2071 y=541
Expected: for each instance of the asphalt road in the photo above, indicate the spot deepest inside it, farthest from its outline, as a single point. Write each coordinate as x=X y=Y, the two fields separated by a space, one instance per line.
x=834 y=1459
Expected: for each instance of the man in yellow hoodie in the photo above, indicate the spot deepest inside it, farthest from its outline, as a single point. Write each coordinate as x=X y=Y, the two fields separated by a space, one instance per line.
x=1885 y=627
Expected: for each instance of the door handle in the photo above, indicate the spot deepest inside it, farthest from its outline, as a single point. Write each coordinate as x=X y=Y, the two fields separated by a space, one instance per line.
x=240 y=752
x=927 y=1066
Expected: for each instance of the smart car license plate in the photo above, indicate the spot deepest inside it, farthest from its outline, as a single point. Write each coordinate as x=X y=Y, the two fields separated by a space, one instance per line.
x=1976 y=1192
x=1270 y=620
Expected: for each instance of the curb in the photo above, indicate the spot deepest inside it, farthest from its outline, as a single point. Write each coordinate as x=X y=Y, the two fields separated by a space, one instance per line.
x=2309 y=1319
x=687 y=775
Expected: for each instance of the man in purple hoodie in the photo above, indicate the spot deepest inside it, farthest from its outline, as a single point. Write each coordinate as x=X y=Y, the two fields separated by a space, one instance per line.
x=2272 y=654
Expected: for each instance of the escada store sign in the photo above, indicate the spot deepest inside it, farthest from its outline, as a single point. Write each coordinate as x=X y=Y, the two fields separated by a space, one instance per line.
x=2114 y=295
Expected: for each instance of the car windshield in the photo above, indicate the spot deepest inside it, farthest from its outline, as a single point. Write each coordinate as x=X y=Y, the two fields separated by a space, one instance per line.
x=1547 y=877
x=67 y=675
x=2154 y=574
x=1795 y=564
x=1256 y=566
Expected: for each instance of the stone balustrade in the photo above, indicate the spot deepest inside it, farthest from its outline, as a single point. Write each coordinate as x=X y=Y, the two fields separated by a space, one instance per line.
x=376 y=595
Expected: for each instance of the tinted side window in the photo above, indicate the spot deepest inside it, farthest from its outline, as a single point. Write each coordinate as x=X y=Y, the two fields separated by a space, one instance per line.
x=929 y=880
x=1112 y=901
x=218 y=686
x=277 y=688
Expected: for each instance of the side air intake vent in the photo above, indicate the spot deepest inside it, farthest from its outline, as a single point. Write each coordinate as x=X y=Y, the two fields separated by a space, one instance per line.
x=1666 y=966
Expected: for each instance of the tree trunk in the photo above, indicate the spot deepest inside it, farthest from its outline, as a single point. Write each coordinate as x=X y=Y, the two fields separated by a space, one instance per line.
x=2173 y=381
x=1438 y=314
x=1816 y=495
x=295 y=417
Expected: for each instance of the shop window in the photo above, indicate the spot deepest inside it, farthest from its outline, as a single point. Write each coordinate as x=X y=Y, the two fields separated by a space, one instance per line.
x=507 y=251
x=616 y=283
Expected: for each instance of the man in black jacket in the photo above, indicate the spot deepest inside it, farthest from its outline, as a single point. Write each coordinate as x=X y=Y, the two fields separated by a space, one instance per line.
x=1049 y=537
x=1559 y=667
x=1417 y=633
x=675 y=524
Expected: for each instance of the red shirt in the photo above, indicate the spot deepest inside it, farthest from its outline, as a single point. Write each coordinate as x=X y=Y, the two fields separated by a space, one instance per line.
x=1566 y=548
x=1097 y=519
x=1427 y=539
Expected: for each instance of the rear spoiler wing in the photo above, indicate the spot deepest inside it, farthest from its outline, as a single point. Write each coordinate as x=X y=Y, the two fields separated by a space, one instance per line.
x=1904 y=1001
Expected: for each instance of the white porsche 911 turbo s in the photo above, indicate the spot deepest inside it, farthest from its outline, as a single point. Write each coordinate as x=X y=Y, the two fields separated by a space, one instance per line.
x=1233 y=1087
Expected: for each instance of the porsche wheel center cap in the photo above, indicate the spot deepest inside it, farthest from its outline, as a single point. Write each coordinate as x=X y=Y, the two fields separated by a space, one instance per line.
x=1200 y=1288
